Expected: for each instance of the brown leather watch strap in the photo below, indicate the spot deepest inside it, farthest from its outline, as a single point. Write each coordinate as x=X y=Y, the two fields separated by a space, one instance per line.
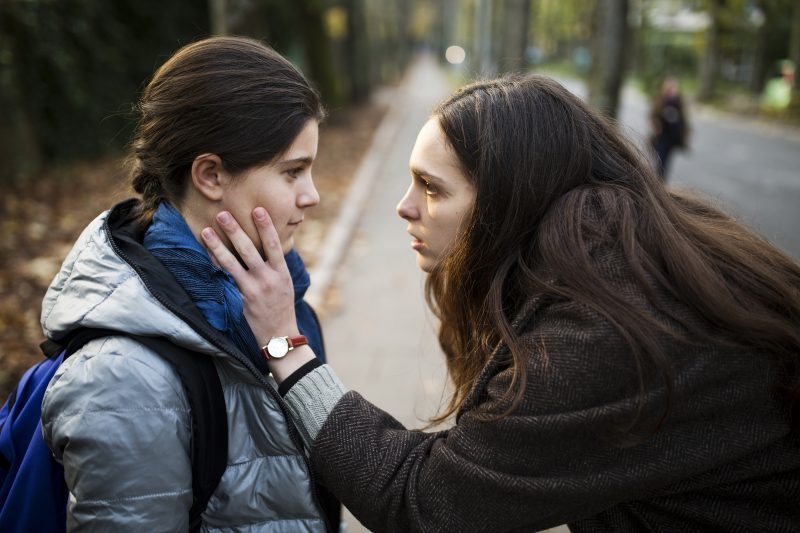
x=291 y=342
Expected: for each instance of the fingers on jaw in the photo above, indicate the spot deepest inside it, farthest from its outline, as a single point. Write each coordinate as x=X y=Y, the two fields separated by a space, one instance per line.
x=273 y=243
x=261 y=217
x=209 y=235
x=217 y=251
x=241 y=242
x=268 y=234
x=226 y=220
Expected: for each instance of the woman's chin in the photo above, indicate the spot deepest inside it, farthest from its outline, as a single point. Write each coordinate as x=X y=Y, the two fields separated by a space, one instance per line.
x=425 y=264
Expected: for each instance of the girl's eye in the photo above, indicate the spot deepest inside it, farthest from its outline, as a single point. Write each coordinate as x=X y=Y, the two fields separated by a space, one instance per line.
x=294 y=172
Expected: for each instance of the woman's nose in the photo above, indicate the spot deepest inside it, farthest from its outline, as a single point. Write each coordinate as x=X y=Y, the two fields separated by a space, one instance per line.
x=406 y=208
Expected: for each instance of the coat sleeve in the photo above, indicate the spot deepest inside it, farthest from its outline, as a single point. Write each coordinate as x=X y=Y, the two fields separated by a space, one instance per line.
x=553 y=461
x=116 y=416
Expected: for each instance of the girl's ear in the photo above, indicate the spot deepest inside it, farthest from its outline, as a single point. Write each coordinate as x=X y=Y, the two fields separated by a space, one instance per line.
x=209 y=177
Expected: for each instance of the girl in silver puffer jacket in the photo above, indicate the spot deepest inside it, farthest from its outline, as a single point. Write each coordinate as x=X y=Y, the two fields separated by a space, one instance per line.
x=225 y=123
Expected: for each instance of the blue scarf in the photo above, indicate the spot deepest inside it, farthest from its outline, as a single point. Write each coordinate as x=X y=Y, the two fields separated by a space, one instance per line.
x=214 y=291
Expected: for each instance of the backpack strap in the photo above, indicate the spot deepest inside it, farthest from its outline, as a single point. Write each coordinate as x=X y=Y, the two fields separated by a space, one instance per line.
x=209 y=446
x=75 y=341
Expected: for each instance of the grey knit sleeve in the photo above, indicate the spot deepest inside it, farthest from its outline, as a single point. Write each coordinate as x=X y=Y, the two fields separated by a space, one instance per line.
x=312 y=399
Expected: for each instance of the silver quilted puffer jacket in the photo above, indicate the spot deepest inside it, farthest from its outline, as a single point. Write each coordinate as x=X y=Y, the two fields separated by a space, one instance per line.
x=116 y=415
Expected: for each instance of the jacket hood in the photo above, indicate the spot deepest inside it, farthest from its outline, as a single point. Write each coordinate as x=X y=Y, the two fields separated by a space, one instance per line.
x=109 y=280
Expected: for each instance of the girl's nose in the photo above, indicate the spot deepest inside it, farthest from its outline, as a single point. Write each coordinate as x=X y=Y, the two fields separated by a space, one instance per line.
x=308 y=196
x=406 y=209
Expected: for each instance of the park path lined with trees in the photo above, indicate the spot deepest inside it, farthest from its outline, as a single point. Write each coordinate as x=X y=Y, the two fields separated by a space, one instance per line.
x=69 y=71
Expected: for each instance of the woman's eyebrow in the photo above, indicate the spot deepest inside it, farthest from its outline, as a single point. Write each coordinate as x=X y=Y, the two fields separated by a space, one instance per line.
x=418 y=172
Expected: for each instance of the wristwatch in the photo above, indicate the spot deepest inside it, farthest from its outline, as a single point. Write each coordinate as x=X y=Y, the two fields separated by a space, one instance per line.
x=278 y=347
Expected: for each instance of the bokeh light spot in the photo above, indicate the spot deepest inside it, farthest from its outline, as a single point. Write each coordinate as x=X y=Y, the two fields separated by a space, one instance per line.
x=455 y=55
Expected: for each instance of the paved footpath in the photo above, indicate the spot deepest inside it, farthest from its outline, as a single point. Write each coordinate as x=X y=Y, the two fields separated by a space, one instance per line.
x=379 y=336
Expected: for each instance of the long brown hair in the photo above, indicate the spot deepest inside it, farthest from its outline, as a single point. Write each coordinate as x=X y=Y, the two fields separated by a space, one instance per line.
x=553 y=176
x=230 y=96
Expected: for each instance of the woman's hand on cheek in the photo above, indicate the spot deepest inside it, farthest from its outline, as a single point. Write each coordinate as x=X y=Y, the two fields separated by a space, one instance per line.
x=266 y=287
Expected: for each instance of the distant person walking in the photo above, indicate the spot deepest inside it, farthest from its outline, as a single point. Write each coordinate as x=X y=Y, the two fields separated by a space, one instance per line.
x=670 y=124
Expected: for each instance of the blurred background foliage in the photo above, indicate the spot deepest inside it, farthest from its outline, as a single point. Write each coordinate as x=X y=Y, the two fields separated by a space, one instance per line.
x=70 y=70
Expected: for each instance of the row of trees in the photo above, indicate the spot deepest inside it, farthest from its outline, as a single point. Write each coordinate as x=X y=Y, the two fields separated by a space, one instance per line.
x=71 y=70
x=346 y=46
x=740 y=40
x=758 y=26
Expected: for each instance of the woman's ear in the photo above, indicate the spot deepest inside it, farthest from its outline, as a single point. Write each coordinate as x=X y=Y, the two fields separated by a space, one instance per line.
x=209 y=176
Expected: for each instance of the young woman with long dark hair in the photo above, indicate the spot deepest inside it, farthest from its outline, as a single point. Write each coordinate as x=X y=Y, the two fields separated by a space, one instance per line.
x=225 y=123
x=624 y=357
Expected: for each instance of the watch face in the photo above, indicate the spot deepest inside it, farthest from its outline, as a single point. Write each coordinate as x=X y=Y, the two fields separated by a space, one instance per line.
x=278 y=347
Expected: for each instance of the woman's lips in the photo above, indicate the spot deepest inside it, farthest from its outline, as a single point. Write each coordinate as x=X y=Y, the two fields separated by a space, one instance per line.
x=416 y=244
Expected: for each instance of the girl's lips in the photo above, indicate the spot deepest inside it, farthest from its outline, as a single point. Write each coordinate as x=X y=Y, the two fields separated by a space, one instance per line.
x=417 y=244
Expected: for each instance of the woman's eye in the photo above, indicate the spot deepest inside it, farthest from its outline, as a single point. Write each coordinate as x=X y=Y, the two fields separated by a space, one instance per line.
x=294 y=172
x=430 y=189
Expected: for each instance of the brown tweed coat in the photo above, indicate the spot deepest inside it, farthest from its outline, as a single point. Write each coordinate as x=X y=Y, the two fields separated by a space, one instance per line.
x=724 y=459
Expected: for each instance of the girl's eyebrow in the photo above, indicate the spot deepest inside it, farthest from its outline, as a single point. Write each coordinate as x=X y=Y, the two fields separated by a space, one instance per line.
x=304 y=160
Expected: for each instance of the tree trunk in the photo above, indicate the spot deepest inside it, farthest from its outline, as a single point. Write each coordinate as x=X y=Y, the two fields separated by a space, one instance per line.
x=357 y=49
x=794 y=46
x=514 y=35
x=609 y=38
x=218 y=11
x=482 y=33
x=710 y=64
x=759 y=70
x=404 y=9
x=318 y=50
x=448 y=19
x=20 y=150
x=794 y=55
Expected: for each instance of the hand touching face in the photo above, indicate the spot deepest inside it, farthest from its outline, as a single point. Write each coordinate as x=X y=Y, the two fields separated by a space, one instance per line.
x=263 y=278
